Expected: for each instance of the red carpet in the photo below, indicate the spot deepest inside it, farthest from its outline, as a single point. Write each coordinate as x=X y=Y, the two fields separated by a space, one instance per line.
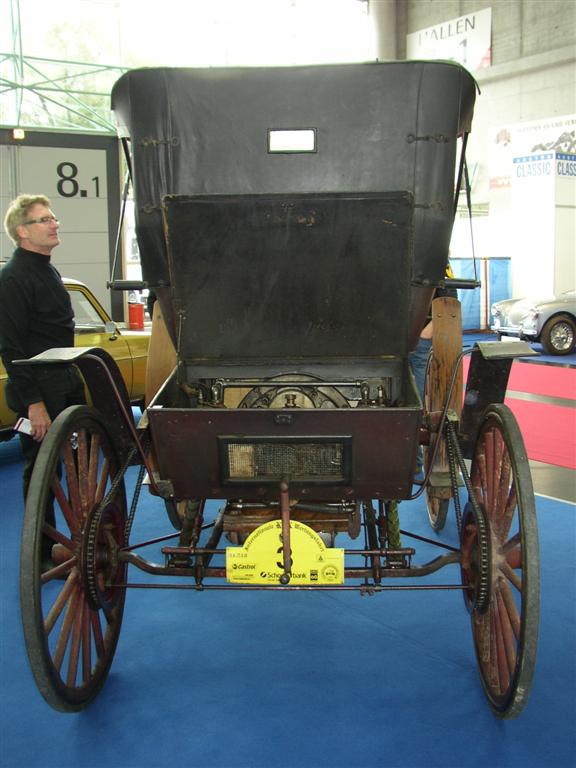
x=549 y=430
x=548 y=380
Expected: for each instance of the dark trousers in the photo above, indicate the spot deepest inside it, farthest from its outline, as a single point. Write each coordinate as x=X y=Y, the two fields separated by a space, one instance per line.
x=61 y=387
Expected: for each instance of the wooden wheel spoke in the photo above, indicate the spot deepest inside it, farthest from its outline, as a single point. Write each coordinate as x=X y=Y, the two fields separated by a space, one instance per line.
x=97 y=634
x=511 y=575
x=82 y=468
x=69 y=515
x=502 y=494
x=75 y=645
x=482 y=627
x=509 y=507
x=93 y=466
x=507 y=632
x=513 y=542
x=492 y=666
x=102 y=481
x=86 y=646
x=57 y=536
x=513 y=555
x=481 y=484
x=59 y=570
x=67 y=624
x=489 y=468
x=72 y=478
x=59 y=604
x=499 y=473
x=501 y=660
x=109 y=613
x=511 y=608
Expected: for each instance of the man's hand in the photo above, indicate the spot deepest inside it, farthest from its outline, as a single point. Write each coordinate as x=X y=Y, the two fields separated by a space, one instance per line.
x=39 y=419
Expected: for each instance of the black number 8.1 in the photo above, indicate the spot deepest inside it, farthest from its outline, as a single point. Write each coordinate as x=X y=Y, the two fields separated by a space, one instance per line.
x=67 y=179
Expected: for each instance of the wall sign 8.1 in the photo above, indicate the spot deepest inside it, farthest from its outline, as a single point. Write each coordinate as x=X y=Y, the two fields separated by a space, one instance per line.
x=76 y=181
x=69 y=186
x=80 y=173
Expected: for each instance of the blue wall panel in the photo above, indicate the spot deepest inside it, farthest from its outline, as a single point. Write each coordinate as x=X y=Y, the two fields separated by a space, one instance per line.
x=496 y=285
x=470 y=300
x=500 y=281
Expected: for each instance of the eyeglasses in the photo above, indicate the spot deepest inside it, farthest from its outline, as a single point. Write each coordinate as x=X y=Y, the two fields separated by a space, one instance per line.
x=43 y=220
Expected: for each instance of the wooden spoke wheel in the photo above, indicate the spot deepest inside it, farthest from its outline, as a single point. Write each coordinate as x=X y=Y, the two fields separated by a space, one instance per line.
x=72 y=598
x=500 y=563
x=440 y=386
x=437 y=498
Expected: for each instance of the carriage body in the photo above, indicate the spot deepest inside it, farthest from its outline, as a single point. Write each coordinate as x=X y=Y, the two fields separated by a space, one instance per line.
x=294 y=224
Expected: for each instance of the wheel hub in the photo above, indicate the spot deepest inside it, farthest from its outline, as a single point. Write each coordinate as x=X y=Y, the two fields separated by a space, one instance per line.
x=562 y=337
x=100 y=564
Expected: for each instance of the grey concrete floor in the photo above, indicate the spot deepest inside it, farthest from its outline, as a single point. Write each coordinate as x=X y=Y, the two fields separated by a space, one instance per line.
x=553 y=481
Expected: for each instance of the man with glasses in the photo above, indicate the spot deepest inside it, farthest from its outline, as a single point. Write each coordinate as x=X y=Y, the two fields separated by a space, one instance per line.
x=35 y=315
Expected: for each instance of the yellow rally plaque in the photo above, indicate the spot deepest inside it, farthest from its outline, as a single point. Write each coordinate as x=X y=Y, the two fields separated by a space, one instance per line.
x=259 y=560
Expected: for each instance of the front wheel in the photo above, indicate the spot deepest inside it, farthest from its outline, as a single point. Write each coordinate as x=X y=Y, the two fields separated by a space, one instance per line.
x=558 y=337
x=71 y=581
x=500 y=563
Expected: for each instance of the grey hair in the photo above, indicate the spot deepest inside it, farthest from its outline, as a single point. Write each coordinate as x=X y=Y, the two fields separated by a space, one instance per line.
x=18 y=213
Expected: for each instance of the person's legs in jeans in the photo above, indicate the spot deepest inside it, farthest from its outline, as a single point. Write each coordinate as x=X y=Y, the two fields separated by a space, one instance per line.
x=418 y=363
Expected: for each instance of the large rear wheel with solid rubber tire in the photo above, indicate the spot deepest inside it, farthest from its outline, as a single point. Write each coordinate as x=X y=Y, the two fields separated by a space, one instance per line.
x=71 y=581
x=500 y=563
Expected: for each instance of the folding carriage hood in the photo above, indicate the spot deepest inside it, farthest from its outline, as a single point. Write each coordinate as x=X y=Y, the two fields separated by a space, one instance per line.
x=326 y=251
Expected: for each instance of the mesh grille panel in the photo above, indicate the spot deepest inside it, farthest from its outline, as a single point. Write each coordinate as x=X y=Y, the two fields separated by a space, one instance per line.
x=314 y=461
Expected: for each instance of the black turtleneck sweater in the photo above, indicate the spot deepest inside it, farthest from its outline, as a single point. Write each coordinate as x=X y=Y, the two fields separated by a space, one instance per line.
x=35 y=315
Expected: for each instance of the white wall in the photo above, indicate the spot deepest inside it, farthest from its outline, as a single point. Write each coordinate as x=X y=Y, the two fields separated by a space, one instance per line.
x=73 y=171
x=532 y=80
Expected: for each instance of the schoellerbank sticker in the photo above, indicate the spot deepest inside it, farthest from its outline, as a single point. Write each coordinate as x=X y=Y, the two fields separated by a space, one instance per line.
x=466 y=39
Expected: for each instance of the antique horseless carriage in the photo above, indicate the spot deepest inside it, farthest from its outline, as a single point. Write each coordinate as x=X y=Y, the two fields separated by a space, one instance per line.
x=294 y=224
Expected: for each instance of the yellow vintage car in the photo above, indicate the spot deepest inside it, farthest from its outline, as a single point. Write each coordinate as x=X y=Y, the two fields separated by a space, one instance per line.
x=95 y=329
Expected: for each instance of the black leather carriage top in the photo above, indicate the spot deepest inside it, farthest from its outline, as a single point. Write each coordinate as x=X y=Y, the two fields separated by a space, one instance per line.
x=318 y=199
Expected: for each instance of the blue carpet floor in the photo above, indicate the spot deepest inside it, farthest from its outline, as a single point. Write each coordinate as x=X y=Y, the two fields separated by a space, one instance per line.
x=295 y=680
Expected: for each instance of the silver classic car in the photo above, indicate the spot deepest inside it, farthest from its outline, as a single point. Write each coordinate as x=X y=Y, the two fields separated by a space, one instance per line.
x=550 y=321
